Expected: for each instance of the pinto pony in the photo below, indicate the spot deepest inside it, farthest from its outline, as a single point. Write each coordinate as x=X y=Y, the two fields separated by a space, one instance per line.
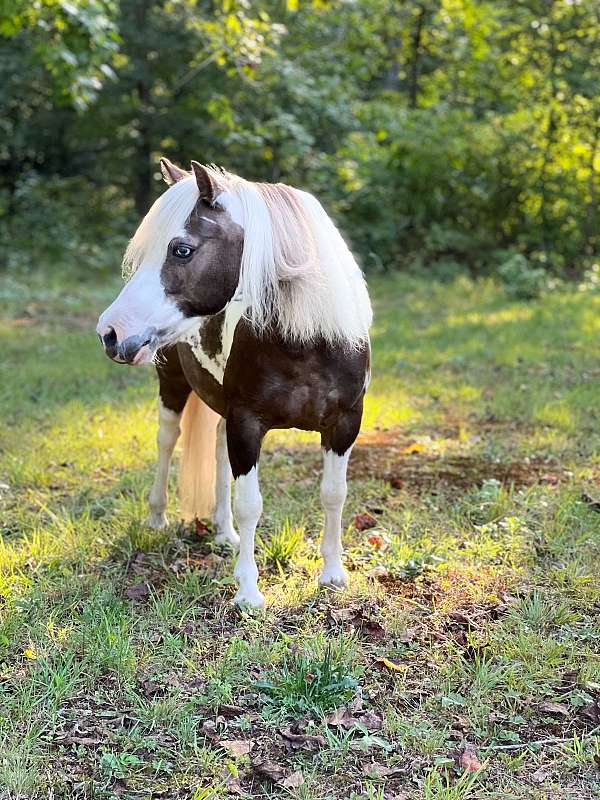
x=256 y=315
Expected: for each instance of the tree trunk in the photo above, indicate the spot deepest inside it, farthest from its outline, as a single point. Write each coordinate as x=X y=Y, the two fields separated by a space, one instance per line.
x=589 y=226
x=417 y=36
x=142 y=167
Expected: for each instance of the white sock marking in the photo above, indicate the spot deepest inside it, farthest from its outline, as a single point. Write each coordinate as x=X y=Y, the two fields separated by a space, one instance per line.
x=333 y=496
x=223 y=518
x=248 y=508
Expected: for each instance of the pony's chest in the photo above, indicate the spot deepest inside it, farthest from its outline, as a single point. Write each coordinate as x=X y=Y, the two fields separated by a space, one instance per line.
x=210 y=343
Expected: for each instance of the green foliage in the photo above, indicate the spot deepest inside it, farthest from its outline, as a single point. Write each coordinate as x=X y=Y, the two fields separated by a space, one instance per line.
x=521 y=280
x=309 y=681
x=438 y=132
x=279 y=547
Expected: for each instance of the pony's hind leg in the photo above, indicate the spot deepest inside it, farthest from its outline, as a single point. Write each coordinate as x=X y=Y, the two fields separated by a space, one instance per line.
x=244 y=437
x=337 y=445
x=173 y=393
x=223 y=518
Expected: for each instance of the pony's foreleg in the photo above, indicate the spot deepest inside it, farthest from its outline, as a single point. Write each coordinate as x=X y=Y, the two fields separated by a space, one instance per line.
x=168 y=433
x=333 y=496
x=244 y=436
x=223 y=518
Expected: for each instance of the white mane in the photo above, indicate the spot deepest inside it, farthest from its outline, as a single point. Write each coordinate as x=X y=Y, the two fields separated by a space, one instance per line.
x=296 y=271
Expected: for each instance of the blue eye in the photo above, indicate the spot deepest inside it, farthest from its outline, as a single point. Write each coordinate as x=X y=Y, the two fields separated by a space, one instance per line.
x=182 y=251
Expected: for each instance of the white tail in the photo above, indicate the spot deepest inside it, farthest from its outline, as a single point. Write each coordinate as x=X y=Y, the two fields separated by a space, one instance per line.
x=197 y=467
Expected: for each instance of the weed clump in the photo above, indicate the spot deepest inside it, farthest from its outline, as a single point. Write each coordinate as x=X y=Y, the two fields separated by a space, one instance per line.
x=311 y=682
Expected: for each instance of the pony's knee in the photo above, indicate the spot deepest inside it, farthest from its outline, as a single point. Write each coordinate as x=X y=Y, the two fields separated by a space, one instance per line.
x=333 y=493
x=168 y=427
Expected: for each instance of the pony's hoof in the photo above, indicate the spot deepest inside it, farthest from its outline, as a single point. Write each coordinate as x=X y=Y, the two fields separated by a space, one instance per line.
x=333 y=578
x=249 y=598
x=228 y=538
x=157 y=520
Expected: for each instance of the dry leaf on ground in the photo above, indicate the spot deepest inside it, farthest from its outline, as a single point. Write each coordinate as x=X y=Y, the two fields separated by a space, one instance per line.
x=386 y=663
x=556 y=709
x=302 y=741
x=363 y=522
x=468 y=760
x=278 y=774
x=139 y=591
x=238 y=747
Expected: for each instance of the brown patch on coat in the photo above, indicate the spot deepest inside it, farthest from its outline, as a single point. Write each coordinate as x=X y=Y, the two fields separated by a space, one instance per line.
x=211 y=334
x=203 y=284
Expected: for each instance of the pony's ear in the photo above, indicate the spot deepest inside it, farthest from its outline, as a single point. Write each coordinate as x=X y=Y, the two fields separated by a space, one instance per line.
x=207 y=185
x=171 y=172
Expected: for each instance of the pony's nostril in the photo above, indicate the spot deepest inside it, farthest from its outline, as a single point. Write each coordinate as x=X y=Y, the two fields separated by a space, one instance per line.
x=109 y=339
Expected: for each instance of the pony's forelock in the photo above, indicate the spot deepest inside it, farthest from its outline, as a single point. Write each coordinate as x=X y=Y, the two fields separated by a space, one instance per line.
x=161 y=224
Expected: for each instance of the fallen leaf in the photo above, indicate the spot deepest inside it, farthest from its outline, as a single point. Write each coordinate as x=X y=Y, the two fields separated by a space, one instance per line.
x=238 y=747
x=375 y=770
x=560 y=709
x=371 y=720
x=468 y=759
x=363 y=522
x=550 y=478
x=293 y=781
x=378 y=572
x=303 y=741
x=279 y=774
x=201 y=528
x=540 y=774
x=591 y=712
x=396 y=482
x=590 y=501
x=376 y=540
x=412 y=449
x=139 y=591
x=391 y=665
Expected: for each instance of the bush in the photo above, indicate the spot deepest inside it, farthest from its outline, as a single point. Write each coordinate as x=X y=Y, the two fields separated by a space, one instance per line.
x=521 y=280
x=64 y=224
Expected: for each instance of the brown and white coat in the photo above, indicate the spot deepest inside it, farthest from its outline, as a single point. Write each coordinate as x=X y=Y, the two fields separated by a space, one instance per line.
x=256 y=315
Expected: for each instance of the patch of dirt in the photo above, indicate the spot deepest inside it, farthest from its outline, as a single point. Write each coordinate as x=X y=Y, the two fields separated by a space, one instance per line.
x=404 y=463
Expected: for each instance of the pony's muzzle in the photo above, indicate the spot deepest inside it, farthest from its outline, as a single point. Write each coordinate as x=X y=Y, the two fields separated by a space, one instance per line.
x=109 y=341
x=132 y=350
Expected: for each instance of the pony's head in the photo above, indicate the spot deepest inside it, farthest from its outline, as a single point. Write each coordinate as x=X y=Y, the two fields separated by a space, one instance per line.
x=213 y=235
x=182 y=263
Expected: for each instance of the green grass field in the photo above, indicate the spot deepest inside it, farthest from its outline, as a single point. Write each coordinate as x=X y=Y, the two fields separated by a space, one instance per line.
x=464 y=660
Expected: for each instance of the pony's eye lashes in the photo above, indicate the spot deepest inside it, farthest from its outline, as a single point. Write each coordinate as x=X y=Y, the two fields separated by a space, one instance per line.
x=182 y=250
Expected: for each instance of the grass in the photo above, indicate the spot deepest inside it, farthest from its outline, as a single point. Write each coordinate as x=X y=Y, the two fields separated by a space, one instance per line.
x=472 y=616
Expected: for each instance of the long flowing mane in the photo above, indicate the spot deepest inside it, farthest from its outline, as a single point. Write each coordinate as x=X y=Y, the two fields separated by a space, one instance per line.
x=297 y=271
